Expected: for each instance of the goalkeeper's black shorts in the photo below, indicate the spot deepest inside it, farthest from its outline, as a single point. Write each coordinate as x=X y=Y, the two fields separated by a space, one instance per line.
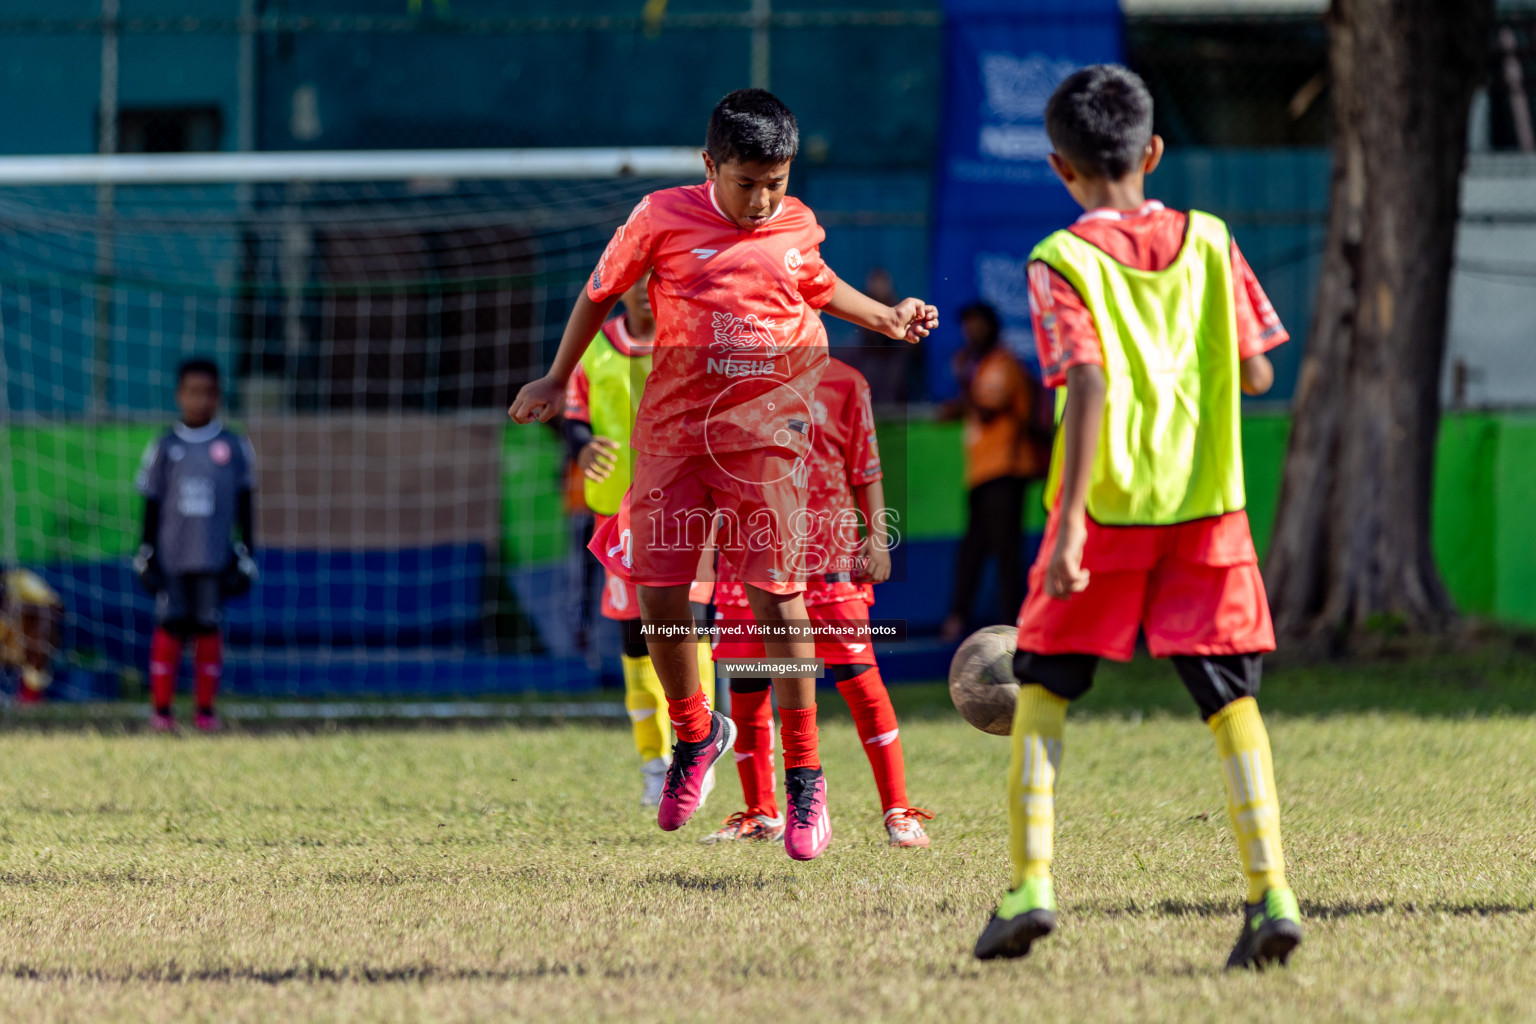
x=190 y=603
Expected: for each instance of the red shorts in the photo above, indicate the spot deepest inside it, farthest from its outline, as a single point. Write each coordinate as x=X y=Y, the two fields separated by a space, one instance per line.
x=746 y=503
x=730 y=592
x=850 y=651
x=621 y=602
x=1144 y=580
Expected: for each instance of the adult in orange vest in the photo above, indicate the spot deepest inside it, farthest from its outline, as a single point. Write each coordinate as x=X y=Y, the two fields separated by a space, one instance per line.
x=1006 y=434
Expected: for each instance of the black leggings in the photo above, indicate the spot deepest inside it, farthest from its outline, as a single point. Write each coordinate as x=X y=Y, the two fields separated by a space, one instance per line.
x=994 y=526
x=1214 y=681
x=634 y=643
x=840 y=673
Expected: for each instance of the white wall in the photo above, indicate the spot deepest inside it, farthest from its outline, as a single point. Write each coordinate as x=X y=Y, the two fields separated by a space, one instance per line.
x=1493 y=292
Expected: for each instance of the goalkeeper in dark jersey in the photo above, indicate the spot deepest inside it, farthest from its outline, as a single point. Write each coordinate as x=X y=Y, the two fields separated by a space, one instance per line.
x=197 y=481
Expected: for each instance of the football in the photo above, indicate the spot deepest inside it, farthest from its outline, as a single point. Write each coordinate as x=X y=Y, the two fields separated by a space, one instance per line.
x=981 y=679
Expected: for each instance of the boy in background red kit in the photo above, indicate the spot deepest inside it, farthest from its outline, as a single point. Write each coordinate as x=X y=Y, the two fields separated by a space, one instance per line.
x=844 y=485
x=723 y=428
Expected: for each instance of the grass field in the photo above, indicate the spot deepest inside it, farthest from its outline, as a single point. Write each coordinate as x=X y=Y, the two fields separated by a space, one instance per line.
x=506 y=873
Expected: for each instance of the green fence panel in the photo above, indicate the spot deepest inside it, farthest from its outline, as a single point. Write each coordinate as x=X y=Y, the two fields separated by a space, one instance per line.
x=534 y=522
x=1461 y=523
x=73 y=487
x=935 y=481
x=1265 y=436
x=1511 y=506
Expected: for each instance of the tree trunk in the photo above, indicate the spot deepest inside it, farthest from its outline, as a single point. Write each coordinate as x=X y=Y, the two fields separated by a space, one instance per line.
x=1352 y=542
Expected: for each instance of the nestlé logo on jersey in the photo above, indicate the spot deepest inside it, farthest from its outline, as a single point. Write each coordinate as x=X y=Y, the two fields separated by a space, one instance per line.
x=737 y=338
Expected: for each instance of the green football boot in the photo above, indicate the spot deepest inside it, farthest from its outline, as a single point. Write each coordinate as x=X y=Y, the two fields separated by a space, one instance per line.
x=1024 y=915
x=1271 y=931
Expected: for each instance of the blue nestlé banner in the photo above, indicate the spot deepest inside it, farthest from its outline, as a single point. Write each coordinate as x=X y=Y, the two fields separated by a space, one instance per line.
x=996 y=196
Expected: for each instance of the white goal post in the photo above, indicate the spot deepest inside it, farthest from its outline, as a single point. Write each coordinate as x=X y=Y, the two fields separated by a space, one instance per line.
x=350 y=165
x=372 y=312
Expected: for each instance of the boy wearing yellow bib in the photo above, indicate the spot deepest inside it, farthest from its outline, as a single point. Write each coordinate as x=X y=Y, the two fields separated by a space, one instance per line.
x=600 y=402
x=1151 y=324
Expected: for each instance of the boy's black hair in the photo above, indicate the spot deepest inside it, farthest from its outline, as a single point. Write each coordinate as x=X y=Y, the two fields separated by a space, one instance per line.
x=985 y=312
x=200 y=365
x=1100 y=120
x=752 y=126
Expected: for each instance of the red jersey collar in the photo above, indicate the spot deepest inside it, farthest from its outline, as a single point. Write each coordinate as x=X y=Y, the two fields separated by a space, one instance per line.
x=1106 y=213
x=716 y=204
x=620 y=338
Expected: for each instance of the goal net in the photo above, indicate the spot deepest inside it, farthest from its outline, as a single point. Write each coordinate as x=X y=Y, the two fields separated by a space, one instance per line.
x=371 y=316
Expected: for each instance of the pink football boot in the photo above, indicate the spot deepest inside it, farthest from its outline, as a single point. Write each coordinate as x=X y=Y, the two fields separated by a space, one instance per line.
x=684 y=789
x=809 y=827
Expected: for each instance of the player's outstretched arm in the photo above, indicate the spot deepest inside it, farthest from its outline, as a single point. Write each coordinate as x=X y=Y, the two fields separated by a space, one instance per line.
x=543 y=399
x=911 y=319
x=1081 y=422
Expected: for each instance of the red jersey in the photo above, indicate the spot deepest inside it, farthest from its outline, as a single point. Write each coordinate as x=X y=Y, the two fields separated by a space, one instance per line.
x=739 y=346
x=844 y=454
x=578 y=390
x=1149 y=238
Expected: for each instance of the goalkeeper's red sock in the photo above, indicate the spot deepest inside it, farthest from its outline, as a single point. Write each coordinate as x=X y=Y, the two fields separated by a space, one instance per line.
x=208 y=656
x=164 y=660
x=753 y=714
x=875 y=720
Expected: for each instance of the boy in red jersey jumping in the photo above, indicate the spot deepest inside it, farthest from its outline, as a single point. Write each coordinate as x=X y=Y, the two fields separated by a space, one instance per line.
x=844 y=490
x=724 y=426
x=601 y=399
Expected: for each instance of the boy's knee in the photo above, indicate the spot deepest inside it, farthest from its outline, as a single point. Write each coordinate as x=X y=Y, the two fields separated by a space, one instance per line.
x=1216 y=680
x=1068 y=676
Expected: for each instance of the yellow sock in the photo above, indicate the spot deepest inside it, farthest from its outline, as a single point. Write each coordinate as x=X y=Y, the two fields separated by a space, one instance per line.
x=646 y=703
x=1243 y=746
x=707 y=672
x=1039 y=719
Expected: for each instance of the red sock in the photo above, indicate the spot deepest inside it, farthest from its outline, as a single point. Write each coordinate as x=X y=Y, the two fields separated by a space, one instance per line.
x=799 y=725
x=690 y=717
x=164 y=660
x=753 y=715
x=875 y=720
x=208 y=656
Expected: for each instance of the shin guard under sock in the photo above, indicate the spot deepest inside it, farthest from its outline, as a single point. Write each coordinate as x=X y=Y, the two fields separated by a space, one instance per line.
x=1039 y=719
x=753 y=714
x=875 y=720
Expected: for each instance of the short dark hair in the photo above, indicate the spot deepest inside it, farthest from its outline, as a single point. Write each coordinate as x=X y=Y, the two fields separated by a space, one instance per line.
x=752 y=126
x=986 y=312
x=1100 y=120
x=197 y=365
